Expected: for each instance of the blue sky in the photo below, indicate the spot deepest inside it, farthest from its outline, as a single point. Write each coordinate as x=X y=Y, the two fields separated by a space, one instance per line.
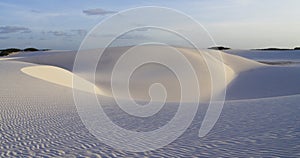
x=60 y=24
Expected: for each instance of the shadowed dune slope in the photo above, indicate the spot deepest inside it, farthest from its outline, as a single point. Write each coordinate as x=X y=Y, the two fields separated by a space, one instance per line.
x=244 y=78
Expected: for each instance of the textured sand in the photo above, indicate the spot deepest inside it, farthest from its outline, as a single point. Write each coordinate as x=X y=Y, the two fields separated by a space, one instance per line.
x=39 y=117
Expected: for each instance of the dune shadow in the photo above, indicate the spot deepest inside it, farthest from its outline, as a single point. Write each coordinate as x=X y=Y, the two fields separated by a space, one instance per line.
x=265 y=82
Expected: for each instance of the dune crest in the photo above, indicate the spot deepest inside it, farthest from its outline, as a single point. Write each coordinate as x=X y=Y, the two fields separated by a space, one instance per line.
x=59 y=76
x=226 y=65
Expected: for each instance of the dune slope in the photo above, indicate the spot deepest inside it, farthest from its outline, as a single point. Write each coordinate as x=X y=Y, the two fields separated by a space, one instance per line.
x=39 y=117
x=147 y=75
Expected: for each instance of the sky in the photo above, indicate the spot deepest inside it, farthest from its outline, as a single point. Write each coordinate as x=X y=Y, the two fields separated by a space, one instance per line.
x=239 y=24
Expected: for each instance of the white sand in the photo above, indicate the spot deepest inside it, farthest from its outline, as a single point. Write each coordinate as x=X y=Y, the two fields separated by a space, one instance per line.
x=59 y=76
x=39 y=118
x=141 y=81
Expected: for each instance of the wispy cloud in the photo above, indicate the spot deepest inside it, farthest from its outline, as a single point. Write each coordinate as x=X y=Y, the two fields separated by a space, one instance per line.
x=133 y=36
x=142 y=29
x=67 y=33
x=14 y=29
x=60 y=33
x=3 y=38
x=35 y=11
x=80 y=32
x=97 y=11
x=43 y=14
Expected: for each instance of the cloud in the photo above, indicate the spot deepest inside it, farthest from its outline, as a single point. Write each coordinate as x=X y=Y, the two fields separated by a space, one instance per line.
x=35 y=11
x=80 y=32
x=97 y=11
x=67 y=33
x=3 y=38
x=43 y=14
x=42 y=39
x=142 y=29
x=60 y=33
x=14 y=29
x=132 y=36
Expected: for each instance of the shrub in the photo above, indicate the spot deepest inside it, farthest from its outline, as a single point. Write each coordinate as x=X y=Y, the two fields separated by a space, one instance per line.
x=219 y=48
x=5 y=52
x=30 y=50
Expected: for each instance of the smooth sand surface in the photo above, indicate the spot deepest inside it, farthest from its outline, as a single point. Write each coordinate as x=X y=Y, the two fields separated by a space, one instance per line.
x=228 y=65
x=245 y=78
x=59 y=76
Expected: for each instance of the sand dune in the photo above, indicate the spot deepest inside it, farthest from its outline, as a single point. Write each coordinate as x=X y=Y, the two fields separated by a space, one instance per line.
x=39 y=117
x=60 y=76
x=244 y=77
x=232 y=66
x=265 y=82
x=251 y=79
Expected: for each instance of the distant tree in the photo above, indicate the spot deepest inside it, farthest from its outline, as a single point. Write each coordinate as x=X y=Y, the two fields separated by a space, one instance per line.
x=11 y=50
x=219 y=48
x=45 y=49
x=4 y=53
x=297 y=48
x=273 y=49
x=8 y=51
x=30 y=50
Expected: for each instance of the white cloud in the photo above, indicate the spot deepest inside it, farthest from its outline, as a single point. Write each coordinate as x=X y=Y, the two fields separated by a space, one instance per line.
x=97 y=11
x=14 y=29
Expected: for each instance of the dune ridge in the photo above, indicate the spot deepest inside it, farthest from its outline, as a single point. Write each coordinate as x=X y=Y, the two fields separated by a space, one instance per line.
x=234 y=67
x=60 y=76
x=230 y=66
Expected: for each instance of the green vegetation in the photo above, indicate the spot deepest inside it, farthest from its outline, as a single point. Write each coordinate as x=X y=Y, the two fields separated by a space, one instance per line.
x=8 y=51
x=5 y=52
x=30 y=50
x=219 y=48
x=273 y=49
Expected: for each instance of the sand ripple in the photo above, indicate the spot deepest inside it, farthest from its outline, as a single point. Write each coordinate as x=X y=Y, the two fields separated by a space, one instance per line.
x=35 y=122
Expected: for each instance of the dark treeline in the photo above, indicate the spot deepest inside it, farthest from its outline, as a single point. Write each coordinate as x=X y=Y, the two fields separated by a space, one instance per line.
x=271 y=49
x=219 y=48
x=5 y=52
x=296 y=48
